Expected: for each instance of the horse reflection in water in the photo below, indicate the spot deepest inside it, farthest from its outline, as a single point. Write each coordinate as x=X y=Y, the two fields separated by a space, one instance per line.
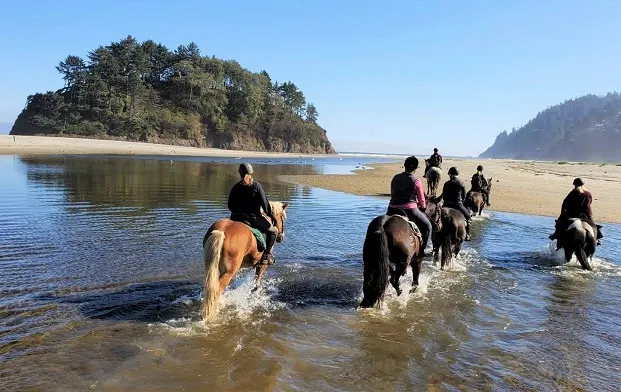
x=229 y=246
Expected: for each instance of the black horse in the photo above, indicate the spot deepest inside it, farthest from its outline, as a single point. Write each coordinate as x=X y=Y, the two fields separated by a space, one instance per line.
x=389 y=240
x=450 y=233
x=576 y=235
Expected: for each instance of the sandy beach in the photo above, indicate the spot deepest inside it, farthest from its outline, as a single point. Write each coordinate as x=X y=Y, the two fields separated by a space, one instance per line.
x=525 y=187
x=42 y=145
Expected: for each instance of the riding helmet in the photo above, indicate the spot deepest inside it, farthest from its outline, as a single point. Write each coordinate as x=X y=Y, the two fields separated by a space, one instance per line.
x=435 y=150
x=245 y=168
x=453 y=171
x=578 y=182
x=411 y=163
x=479 y=168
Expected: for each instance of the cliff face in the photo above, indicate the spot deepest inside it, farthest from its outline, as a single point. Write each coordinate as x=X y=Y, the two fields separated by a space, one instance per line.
x=584 y=129
x=145 y=92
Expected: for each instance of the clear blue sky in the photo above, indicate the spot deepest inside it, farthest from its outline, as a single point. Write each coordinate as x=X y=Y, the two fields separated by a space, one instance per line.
x=411 y=74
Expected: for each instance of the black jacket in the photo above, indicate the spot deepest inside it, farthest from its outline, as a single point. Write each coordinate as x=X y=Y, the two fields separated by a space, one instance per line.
x=248 y=199
x=454 y=191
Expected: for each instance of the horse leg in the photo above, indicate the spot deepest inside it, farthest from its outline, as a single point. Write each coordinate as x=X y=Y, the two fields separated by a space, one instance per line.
x=416 y=264
x=399 y=271
x=260 y=270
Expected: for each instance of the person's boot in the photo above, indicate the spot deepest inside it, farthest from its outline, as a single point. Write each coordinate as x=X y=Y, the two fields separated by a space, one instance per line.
x=468 y=230
x=268 y=257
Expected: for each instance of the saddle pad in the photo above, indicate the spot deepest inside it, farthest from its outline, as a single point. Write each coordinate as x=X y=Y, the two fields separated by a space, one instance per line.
x=261 y=242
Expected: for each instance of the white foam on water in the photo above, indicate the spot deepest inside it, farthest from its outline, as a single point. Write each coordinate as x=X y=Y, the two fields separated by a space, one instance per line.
x=238 y=303
x=600 y=266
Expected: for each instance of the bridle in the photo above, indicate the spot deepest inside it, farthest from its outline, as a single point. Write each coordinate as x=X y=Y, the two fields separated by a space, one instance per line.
x=436 y=225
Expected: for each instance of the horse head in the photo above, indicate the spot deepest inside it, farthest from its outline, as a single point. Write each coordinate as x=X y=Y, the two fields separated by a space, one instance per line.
x=489 y=185
x=279 y=216
x=434 y=211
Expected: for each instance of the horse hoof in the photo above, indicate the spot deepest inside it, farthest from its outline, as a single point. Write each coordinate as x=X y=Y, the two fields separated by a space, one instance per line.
x=413 y=289
x=256 y=288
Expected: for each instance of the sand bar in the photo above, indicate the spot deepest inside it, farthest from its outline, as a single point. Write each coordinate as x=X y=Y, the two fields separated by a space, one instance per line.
x=42 y=145
x=525 y=187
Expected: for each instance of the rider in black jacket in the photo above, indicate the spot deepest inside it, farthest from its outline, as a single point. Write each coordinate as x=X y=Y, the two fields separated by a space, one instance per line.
x=454 y=193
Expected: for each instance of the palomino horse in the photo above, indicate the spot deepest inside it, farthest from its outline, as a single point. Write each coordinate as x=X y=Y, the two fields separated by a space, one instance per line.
x=475 y=201
x=229 y=246
x=389 y=239
x=450 y=234
x=578 y=236
x=434 y=175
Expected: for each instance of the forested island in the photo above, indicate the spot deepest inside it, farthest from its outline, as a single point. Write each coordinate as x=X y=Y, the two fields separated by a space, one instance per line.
x=145 y=92
x=587 y=128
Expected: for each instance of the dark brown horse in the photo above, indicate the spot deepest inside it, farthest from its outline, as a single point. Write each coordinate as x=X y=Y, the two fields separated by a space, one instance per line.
x=475 y=201
x=229 y=246
x=451 y=231
x=389 y=240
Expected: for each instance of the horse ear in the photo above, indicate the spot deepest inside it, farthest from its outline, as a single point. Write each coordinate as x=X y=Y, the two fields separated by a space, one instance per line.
x=285 y=205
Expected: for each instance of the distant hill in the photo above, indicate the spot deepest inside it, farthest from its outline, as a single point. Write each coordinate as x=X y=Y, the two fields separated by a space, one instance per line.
x=582 y=129
x=5 y=128
x=145 y=92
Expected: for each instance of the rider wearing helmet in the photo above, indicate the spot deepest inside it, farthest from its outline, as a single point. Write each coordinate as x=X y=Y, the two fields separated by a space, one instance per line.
x=407 y=195
x=246 y=201
x=480 y=184
x=454 y=193
x=577 y=204
x=435 y=160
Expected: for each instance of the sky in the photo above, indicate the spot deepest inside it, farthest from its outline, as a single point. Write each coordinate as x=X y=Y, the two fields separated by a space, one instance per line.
x=386 y=76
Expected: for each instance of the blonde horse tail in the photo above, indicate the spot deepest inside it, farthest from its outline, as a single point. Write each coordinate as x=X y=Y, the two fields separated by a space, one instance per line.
x=212 y=255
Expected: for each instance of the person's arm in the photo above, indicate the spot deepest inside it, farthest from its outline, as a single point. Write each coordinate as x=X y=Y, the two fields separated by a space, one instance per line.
x=231 y=202
x=565 y=203
x=263 y=200
x=420 y=194
x=589 y=201
x=463 y=191
x=440 y=158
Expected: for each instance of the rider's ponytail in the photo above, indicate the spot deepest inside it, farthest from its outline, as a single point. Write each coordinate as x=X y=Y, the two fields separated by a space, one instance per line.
x=247 y=179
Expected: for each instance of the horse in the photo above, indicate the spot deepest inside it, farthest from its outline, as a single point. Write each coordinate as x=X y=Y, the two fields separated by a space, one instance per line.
x=451 y=231
x=228 y=246
x=434 y=175
x=475 y=201
x=578 y=237
x=389 y=239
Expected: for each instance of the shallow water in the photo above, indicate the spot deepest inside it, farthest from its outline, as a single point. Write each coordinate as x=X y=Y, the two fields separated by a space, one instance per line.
x=100 y=288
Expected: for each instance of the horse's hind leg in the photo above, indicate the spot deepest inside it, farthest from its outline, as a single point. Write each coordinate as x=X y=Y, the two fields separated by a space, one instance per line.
x=416 y=264
x=396 y=274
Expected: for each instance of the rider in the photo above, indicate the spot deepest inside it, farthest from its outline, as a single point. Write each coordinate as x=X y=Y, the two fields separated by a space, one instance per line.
x=406 y=194
x=577 y=204
x=246 y=200
x=454 y=193
x=479 y=184
x=435 y=160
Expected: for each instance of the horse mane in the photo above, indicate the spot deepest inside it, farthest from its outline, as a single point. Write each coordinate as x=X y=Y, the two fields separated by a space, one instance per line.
x=278 y=207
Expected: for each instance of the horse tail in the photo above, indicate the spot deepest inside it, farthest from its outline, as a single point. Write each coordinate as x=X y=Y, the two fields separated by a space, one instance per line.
x=577 y=237
x=376 y=257
x=212 y=255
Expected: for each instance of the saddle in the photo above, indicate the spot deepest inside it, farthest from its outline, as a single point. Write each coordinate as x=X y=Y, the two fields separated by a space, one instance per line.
x=415 y=229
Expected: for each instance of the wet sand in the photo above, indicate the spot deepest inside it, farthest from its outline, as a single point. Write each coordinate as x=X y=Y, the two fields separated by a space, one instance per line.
x=42 y=145
x=525 y=187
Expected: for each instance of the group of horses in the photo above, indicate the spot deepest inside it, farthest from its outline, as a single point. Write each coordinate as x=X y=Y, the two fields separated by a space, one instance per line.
x=389 y=247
